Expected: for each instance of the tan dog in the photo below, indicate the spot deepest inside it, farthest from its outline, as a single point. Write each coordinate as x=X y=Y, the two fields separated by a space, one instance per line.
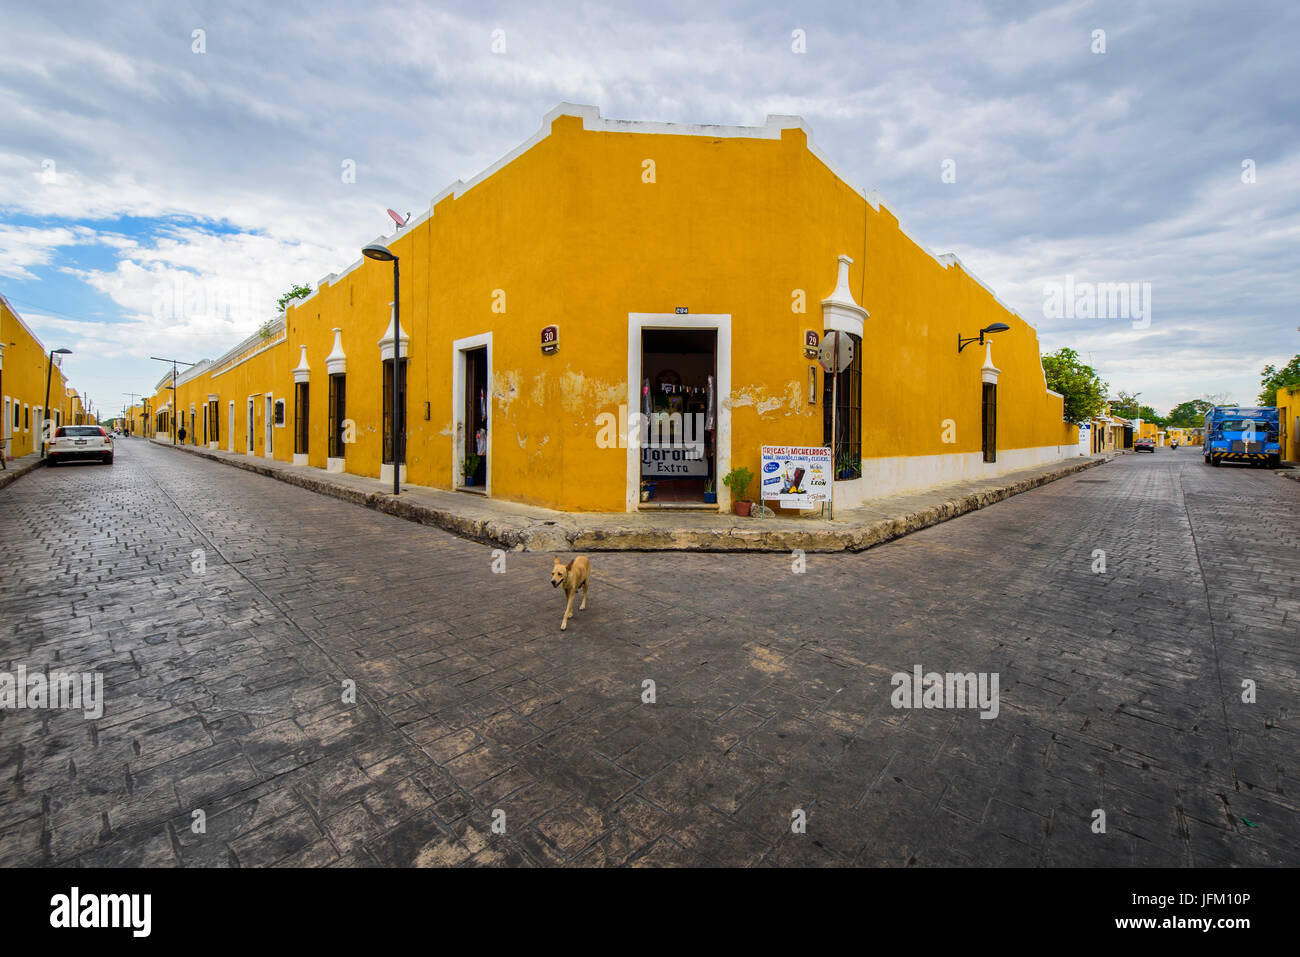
x=572 y=576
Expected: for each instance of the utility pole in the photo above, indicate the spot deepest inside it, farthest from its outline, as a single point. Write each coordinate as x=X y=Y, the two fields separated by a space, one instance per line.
x=130 y=422
x=174 y=363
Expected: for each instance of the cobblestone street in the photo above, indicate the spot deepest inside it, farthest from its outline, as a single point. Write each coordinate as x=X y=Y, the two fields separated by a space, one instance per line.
x=226 y=611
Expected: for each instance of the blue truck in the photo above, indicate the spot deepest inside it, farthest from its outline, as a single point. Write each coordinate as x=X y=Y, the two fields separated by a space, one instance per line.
x=1236 y=433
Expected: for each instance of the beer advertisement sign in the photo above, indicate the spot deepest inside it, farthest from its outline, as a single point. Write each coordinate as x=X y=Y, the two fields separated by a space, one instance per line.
x=795 y=476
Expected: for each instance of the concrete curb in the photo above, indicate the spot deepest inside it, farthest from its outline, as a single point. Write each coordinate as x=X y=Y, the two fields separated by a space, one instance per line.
x=17 y=468
x=526 y=534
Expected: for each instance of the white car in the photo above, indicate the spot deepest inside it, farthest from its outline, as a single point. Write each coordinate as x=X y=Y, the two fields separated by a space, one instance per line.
x=80 y=442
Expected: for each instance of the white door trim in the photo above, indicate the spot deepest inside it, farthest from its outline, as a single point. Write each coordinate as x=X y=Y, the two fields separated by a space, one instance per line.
x=230 y=435
x=252 y=421
x=268 y=425
x=458 y=350
x=637 y=322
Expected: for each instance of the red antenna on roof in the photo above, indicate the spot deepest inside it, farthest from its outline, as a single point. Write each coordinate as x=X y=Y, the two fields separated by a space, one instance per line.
x=399 y=220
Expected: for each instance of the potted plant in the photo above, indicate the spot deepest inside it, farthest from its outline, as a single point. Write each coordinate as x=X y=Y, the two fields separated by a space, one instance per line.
x=738 y=480
x=647 y=490
x=846 y=467
x=710 y=496
x=468 y=468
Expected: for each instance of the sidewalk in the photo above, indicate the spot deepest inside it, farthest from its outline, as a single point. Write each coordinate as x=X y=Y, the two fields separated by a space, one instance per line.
x=17 y=468
x=534 y=529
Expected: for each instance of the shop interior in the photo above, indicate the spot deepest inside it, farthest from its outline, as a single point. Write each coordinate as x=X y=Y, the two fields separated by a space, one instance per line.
x=679 y=373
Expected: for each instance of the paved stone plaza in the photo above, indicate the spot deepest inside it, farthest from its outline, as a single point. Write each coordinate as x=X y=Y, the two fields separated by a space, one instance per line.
x=226 y=611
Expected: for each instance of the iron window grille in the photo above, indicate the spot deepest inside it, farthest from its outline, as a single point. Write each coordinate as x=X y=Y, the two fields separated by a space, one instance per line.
x=847 y=394
x=388 y=411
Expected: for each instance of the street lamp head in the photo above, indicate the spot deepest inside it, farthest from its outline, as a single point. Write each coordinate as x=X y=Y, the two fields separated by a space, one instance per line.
x=61 y=352
x=996 y=327
x=378 y=252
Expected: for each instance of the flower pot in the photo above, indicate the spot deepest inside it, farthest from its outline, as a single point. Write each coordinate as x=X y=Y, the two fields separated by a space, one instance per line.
x=710 y=498
x=645 y=495
x=742 y=509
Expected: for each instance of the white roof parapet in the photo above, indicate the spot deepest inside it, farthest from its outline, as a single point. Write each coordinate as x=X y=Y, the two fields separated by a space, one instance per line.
x=276 y=327
x=302 y=372
x=185 y=375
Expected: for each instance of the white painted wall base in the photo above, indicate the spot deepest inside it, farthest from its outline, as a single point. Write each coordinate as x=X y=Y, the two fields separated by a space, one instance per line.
x=299 y=458
x=386 y=473
x=334 y=465
x=907 y=473
x=214 y=445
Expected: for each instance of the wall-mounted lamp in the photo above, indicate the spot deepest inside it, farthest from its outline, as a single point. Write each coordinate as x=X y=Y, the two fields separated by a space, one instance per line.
x=987 y=330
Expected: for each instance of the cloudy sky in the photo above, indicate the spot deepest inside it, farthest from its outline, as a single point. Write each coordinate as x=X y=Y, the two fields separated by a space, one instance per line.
x=157 y=200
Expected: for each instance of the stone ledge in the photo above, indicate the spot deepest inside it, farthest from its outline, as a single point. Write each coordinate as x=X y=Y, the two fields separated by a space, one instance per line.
x=17 y=468
x=620 y=532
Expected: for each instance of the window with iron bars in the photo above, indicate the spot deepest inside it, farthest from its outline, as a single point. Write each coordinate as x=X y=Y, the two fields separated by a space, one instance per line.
x=301 y=420
x=848 y=414
x=338 y=413
x=989 y=416
x=388 y=411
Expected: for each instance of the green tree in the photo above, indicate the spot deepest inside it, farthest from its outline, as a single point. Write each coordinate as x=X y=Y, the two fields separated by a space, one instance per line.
x=1189 y=414
x=1147 y=414
x=1084 y=392
x=1272 y=379
x=1125 y=405
x=296 y=291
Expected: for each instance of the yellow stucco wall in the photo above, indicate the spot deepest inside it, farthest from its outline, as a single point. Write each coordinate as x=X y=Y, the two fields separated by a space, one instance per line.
x=23 y=384
x=570 y=233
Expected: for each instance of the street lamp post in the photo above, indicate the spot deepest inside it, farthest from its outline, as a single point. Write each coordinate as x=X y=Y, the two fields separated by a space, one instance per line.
x=381 y=253
x=45 y=415
x=174 y=363
x=987 y=330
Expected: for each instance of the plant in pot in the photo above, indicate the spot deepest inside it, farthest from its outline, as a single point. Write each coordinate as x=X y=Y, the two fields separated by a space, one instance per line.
x=647 y=490
x=468 y=468
x=738 y=480
x=710 y=495
x=846 y=467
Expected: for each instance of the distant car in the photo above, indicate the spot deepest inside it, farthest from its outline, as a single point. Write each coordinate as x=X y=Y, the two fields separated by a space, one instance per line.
x=80 y=442
x=1144 y=445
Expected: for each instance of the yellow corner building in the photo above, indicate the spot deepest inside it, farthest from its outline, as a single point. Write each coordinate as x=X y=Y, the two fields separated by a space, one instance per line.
x=606 y=274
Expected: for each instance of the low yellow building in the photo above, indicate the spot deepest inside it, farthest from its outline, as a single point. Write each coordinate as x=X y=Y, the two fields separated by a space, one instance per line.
x=24 y=365
x=1288 y=412
x=605 y=270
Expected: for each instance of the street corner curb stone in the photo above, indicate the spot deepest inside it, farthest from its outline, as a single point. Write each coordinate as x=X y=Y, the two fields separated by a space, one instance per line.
x=541 y=536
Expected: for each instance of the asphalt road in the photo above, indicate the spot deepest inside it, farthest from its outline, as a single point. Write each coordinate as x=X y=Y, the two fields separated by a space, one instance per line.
x=228 y=615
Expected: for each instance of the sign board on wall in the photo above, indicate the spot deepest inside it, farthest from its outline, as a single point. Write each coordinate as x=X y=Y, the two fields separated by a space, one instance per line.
x=795 y=476
x=677 y=461
x=811 y=341
x=550 y=340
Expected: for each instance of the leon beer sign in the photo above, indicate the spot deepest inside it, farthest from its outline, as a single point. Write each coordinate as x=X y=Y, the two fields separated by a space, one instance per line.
x=795 y=476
